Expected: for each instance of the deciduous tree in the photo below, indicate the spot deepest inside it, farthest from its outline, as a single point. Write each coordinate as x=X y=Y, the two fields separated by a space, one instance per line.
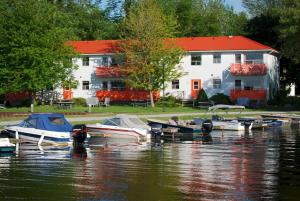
x=33 y=52
x=150 y=57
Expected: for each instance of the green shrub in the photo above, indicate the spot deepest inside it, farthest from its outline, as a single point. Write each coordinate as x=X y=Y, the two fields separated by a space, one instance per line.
x=169 y=101
x=202 y=97
x=220 y=98
x=79 y=101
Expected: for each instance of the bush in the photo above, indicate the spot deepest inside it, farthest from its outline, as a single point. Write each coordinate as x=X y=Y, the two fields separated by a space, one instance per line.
x=169 y=101
x=220 y=98
x=79 y=101
x=202 y=97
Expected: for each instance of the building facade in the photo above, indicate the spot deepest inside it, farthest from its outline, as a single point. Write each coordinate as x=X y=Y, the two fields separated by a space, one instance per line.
x=233 y=65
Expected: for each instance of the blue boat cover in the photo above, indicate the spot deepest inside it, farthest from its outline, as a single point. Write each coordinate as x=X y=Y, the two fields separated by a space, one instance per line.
x=49 y=122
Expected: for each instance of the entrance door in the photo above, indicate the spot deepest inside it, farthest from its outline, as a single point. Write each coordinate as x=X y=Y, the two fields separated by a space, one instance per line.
x=196 y=87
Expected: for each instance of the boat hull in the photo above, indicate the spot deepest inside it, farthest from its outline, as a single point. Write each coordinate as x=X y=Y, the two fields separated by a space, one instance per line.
x=117 y=132
x=231 y=126
x=34 y=135
x=181 y=129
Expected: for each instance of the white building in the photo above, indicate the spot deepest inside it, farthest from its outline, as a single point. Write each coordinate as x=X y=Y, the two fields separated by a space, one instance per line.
x=233 y=65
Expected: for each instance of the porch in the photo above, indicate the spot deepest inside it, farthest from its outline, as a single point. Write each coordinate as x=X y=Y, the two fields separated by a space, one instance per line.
x=126 y=95
x=251 y=94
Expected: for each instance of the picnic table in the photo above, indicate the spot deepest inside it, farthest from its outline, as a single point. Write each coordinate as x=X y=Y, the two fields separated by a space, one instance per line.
x=64 y=104
x=144 y=103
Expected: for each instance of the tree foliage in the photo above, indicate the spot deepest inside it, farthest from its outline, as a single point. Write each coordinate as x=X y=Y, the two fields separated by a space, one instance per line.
x=33 y=53
x=277 y=23
x=150 y=58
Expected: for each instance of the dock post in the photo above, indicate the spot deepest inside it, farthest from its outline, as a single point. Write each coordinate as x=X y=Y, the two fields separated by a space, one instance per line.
x=17 y=134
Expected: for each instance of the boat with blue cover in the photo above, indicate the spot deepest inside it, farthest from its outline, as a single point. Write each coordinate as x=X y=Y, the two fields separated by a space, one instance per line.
x=47 y=128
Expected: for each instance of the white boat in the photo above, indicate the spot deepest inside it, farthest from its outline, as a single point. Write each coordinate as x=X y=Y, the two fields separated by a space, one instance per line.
x=228 y=125
x=6 y=146
x=47 y=128
x=226 y=107
x=121 y=126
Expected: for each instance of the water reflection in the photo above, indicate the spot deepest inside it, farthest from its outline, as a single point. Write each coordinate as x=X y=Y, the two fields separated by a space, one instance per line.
x=258 y=165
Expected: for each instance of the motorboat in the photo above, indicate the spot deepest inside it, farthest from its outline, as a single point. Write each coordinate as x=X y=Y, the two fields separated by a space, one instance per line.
x=256 y=123
x=6 y=146
x=183 y=129
x=47 y=128
x=233 y=125
x=226 y=107
x=121 y=126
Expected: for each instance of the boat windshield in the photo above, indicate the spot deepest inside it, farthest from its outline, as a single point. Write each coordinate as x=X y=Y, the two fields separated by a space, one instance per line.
x=56 y=120
x=112 y=122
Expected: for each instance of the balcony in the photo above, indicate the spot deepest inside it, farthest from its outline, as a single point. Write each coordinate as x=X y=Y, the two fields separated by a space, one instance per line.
x=249 y=68
x=253 y=94
x=110 y=72
x=126 y=95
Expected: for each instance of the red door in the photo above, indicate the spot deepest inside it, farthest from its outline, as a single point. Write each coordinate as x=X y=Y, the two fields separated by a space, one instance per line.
x=67 y=94
x=196 y=87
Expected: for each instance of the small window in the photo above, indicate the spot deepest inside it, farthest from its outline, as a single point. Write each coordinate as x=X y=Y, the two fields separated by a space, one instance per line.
x=217 y=58
x=217 y=83
x=85 y=85
x=118 y=85
x=196 y=85
x=175 y=84
x=105 y=85
x=196 y=60
x=238 y=84
x=238 y=58
x=105 y=61
x=86 y=61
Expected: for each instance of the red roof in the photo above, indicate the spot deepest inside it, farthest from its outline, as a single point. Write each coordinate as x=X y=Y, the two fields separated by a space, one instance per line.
x=217 y=43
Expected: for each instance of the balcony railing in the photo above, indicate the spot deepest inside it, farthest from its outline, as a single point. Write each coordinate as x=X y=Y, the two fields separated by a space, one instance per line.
x=126 y=95
x=253 y=94
x=249 y=68
x=110 y=72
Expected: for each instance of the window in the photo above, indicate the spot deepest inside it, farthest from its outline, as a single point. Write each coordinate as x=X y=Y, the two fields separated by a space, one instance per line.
x=196 y=60
x=105 y=85
x=217 y=83
x=238 y=58
x=85 y=85
x=217 y=58
x=196 y=85
x=86 y=61
x=56 y=120
x=175 y=84
x=254 y=58
x=118 y=85
x=30 y=123
x=105 y=61
x=238 y=84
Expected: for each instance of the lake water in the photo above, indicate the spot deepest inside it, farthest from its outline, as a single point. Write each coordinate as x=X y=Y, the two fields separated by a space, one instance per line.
x=261 y=165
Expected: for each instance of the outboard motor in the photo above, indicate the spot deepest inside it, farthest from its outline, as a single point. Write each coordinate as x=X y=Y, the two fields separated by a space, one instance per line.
x=156 y=131
x=79 y=133
x=207 y=126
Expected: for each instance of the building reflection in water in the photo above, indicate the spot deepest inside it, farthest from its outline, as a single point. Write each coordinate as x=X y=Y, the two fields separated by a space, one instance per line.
x=241 y=168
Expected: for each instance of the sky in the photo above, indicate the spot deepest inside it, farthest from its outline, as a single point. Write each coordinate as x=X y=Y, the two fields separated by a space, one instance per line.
x=237 y=5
